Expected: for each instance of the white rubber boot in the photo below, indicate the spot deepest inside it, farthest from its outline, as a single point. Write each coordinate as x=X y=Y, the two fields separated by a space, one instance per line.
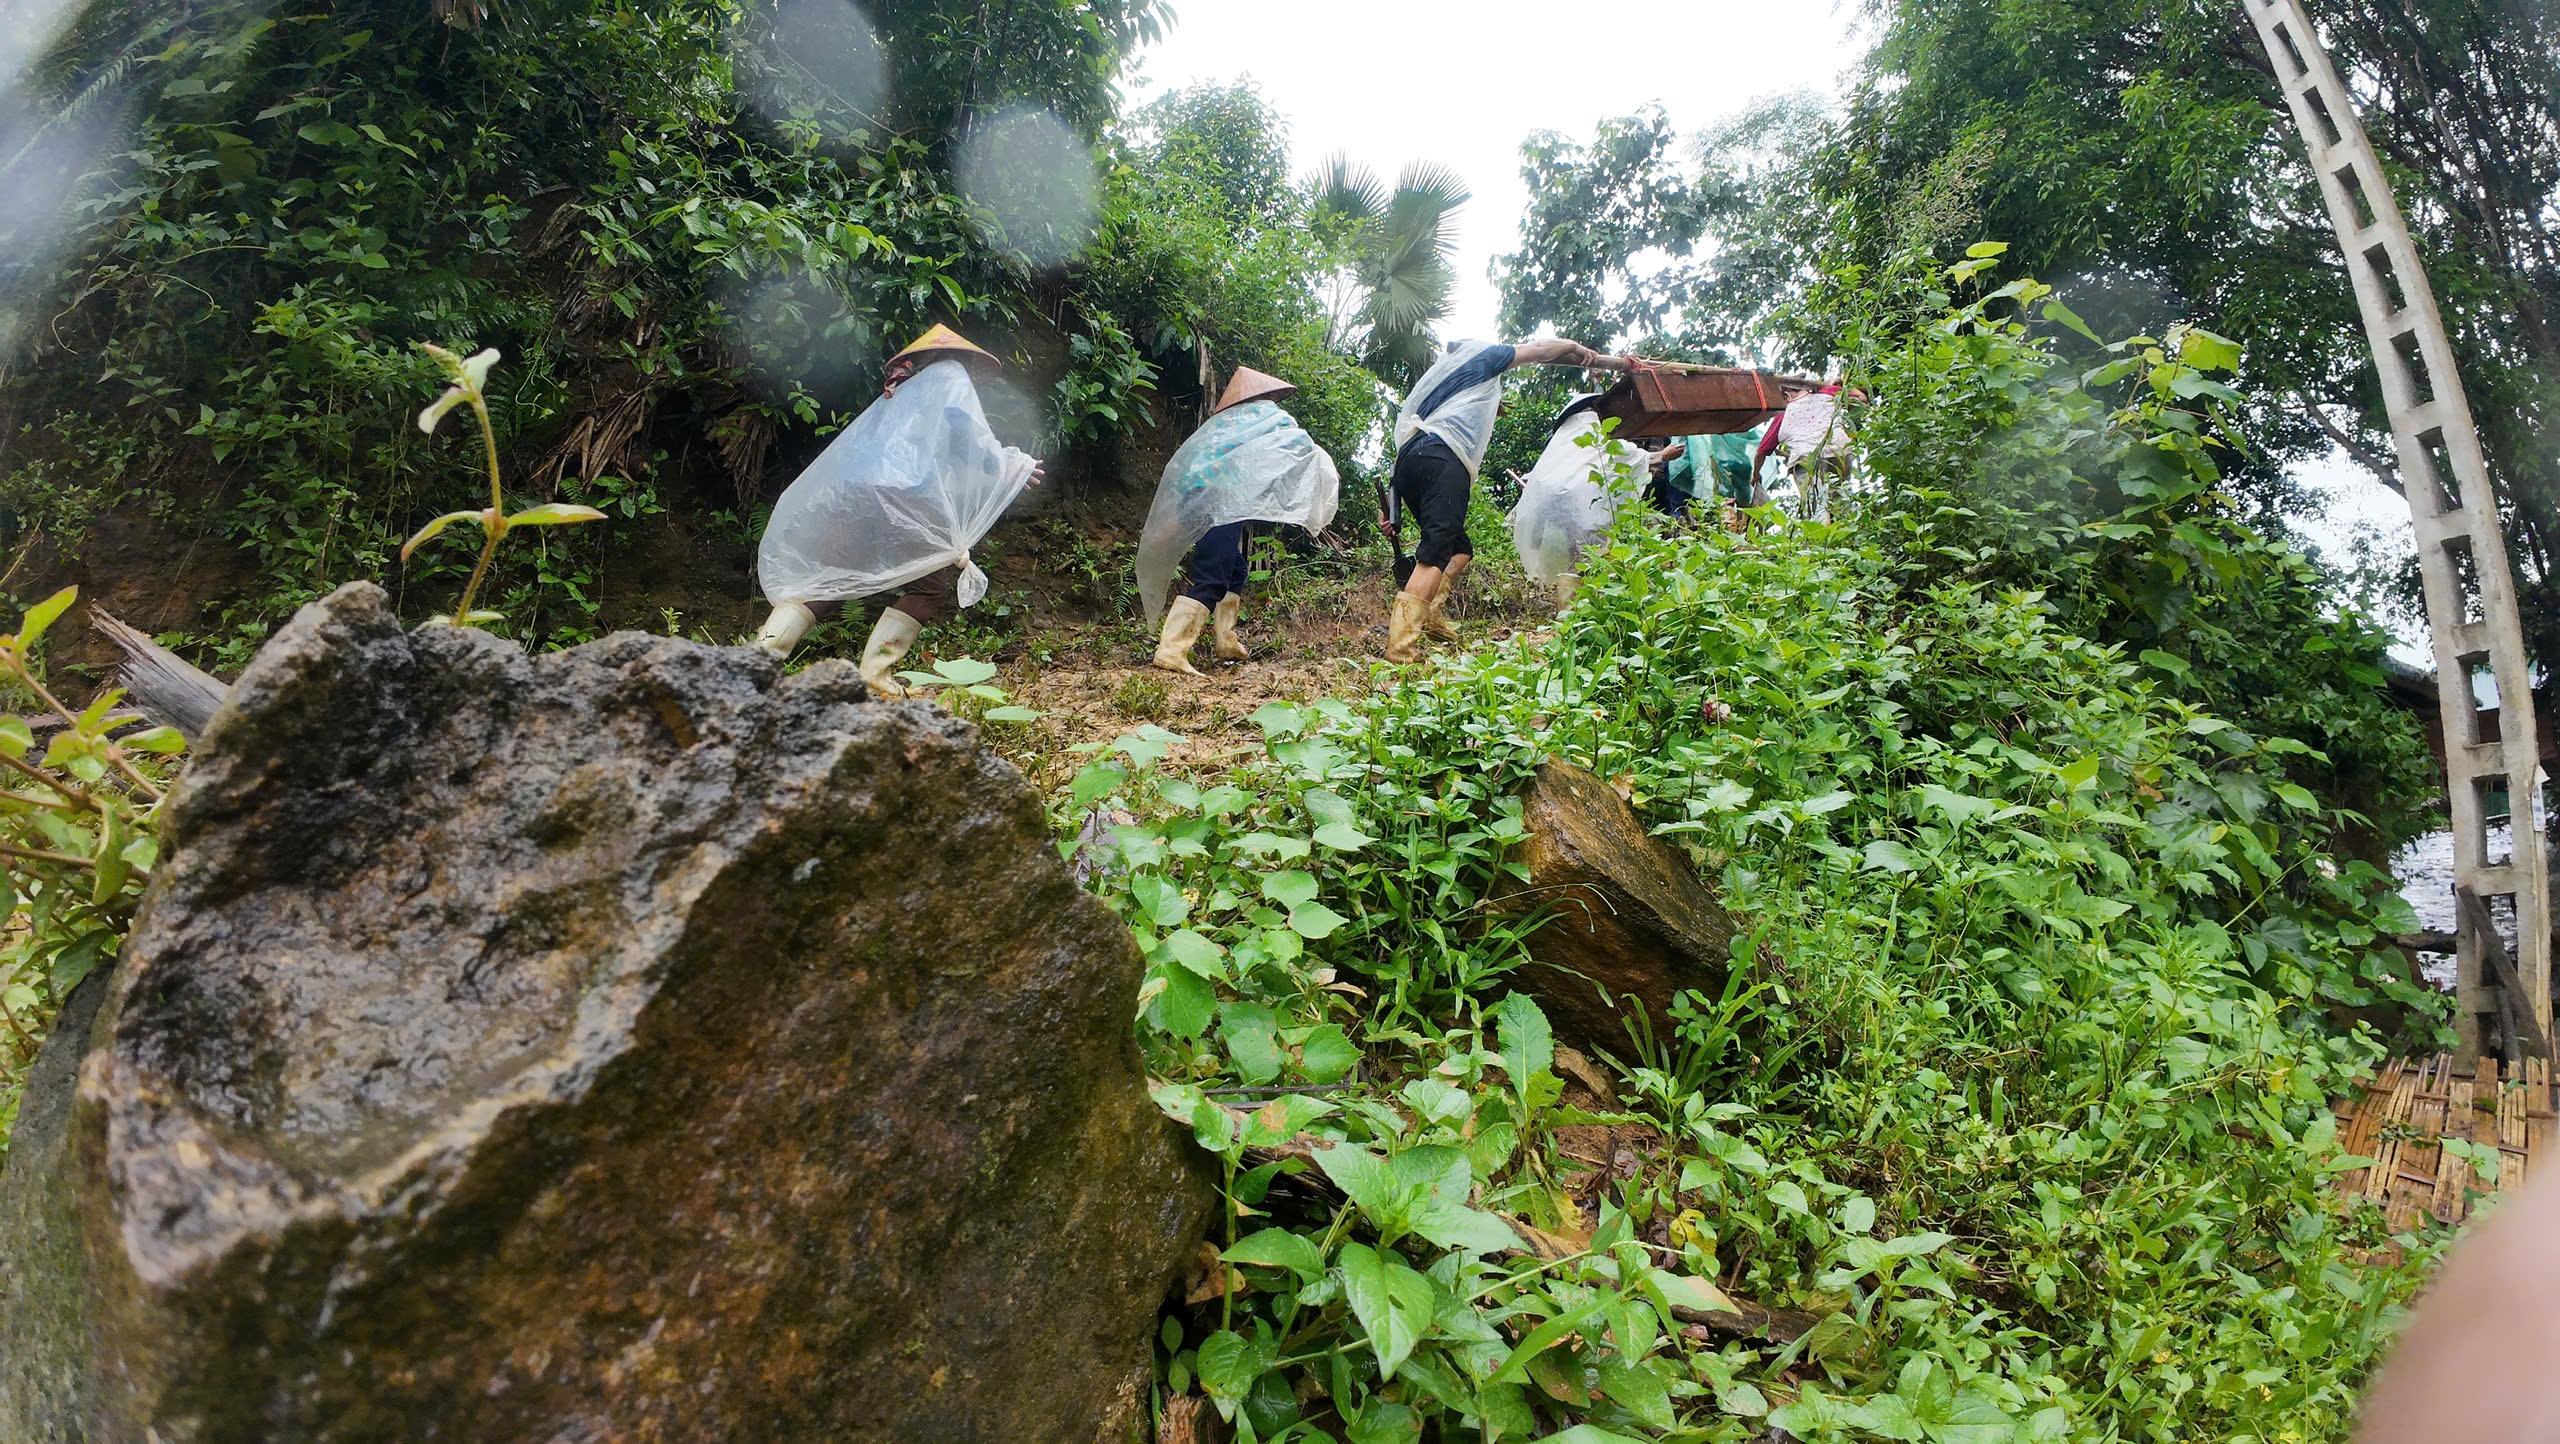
x=1182 y=624
x=1229 y=646
x=1566 y=585
x=783 y=630
x=891 y=636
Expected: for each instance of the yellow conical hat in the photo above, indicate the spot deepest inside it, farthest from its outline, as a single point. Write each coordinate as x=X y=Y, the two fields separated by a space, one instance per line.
x=1251 y=385
x=944 y=339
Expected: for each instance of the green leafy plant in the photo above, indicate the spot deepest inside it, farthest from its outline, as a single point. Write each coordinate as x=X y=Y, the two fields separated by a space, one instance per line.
x=2016 y=1099
x=967 y=686
x=80 y=795
x=470 y=381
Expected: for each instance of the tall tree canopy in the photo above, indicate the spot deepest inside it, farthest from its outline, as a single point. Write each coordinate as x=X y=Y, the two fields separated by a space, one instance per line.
x=2137 y=149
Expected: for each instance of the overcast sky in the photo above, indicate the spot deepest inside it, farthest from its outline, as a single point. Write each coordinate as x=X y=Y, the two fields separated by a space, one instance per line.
x=1395 y=81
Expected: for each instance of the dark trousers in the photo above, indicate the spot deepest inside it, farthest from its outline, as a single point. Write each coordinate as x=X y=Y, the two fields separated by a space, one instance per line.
x=928 y=599
x=1217 y=565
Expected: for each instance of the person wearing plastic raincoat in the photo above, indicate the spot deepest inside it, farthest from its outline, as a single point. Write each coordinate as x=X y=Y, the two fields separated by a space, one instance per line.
x=1249 y=462
x=1440 y=441
x=1571 y=495
x=894 y=503
x=1810 y=439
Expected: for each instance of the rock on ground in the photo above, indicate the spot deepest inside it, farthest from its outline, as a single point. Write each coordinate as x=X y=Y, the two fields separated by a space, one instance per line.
x=624 y=1044
x=1630 y=924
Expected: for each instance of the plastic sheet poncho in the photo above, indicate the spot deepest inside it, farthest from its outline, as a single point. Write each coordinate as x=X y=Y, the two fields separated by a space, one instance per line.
x=1569 y=498
x=1811 y=429
x=1465 y=420
x=908 y=488
x=1247 y=463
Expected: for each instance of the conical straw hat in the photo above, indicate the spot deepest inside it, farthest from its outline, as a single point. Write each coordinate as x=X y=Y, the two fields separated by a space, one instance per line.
x=1251 y=385
x=943 y=339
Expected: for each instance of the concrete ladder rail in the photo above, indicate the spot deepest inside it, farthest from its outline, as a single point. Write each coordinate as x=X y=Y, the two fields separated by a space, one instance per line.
x=2470 y=592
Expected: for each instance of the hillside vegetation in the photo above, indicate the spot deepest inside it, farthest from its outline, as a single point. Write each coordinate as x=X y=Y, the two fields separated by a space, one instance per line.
x=2048 y=792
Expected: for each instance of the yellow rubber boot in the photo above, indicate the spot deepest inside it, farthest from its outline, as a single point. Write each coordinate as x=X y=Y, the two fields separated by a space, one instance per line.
x=1404 y=629
x=1434 y=620
x=1229 y=646
x=1182 y=624
x=891 y=636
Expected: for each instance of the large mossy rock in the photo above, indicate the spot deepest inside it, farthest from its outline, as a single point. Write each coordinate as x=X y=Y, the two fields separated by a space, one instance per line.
x=628 y=1044
x=1630 y=925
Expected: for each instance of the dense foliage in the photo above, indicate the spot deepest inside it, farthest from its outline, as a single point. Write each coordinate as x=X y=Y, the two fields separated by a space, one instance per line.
x=2107 y=492
x=80 y=795
x=2021 y=1089
x=2142 y=150
x=696 y=236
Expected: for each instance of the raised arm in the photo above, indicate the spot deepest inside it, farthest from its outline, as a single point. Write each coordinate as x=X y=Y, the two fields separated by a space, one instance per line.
x=1557 y=351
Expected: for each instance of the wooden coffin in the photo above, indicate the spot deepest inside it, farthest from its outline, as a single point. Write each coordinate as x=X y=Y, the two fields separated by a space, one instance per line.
x=1655 y=403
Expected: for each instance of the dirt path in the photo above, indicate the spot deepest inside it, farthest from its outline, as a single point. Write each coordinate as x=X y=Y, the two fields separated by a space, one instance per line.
x=1097 y=684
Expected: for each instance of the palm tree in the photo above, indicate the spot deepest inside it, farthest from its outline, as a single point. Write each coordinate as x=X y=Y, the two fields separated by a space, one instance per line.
x=1397 y=280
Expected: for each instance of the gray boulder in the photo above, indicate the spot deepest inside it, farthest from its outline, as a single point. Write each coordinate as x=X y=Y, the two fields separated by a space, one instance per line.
x=630 y=1043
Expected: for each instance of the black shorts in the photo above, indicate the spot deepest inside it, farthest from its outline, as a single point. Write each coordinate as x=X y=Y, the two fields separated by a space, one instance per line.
x=1435 y=486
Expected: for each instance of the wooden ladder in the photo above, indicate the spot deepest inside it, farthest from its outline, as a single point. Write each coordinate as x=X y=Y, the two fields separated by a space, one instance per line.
x=2471 y=595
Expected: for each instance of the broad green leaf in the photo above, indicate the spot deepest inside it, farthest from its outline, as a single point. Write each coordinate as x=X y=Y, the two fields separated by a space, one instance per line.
x=428 y=533
x=1289 y=889
x=2061 y=314
x=15 y=736
x=1185 y=1005
x=1343 y=837
x=1013 y=714
x=1279 y=1248
x=1886 y=855
x=1394 y=1304
x=1688 y=1291
x=1437 y=1100
x=1229 y=1363
x=1546 y=1336
x=1277 y=720
x=1984 y=250
x=555 y=513
x=1253 y=1040
x=1433 y=1184
x=1384 y=1421
x=1638 y=1390
x=1725 y=796
x=1197 y=953
x=1161 y=901
x=1328 y=1054
x=2206 y=351
x=32 y=626
x=1361 y=1175
x=155 y=739
x=1314 y=921
x=1528 y=1043
x=964 y=671
x=1283 y=1118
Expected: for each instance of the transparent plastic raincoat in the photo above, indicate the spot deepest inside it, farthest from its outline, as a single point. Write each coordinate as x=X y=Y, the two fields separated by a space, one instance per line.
x=1811 y=430
x=1251 y=462
x=908 y=488
x=1465 y=420
x=1569 y=498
